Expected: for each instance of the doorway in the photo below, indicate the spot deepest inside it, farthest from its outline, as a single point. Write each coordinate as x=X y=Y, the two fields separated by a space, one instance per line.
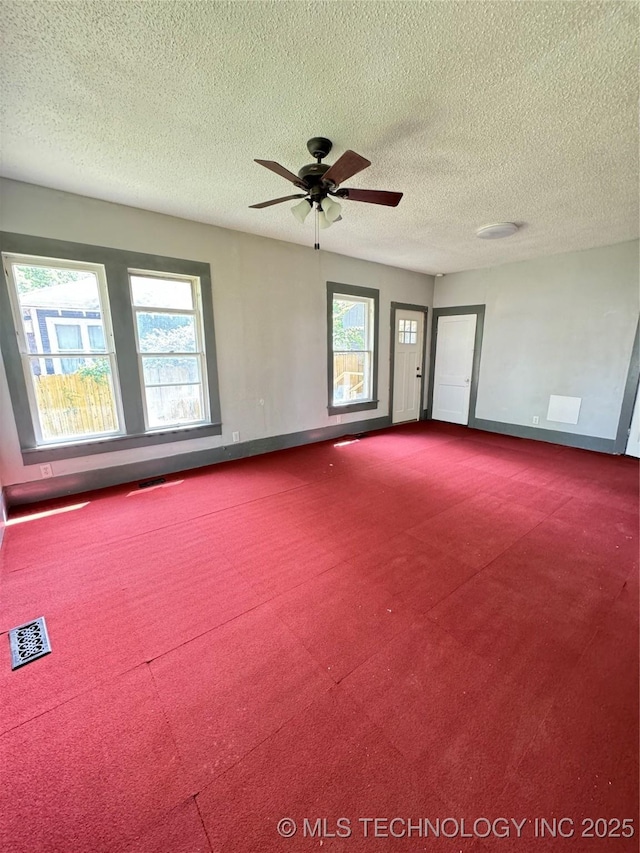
x=408 y=352
x=628 y=435
x=455 y=347
x=633 y=442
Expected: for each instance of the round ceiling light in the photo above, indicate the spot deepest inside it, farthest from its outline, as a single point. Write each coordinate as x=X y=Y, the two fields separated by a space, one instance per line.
x=497 y=231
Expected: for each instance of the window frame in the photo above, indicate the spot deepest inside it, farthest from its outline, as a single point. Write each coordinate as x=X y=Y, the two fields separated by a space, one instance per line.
x=116 y=263
x=199 y=353
x=56 y=354
x=337 y=289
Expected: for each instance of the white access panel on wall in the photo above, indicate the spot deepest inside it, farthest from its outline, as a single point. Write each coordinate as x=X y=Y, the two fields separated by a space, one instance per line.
x=564 y=410
x=453 y=367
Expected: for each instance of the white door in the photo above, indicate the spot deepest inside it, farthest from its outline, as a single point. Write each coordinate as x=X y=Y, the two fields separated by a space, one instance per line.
x=407 y=366
x=452 y=371
x=633 y=443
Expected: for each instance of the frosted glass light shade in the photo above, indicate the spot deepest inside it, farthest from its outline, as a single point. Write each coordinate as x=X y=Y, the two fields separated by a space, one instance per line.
x=323 y=220
x=331 y=209
x=301 y=210
x=497 y=231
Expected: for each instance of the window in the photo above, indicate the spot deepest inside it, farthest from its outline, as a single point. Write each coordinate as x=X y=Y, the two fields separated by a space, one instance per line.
x=407 y=331
x=352 y=322
x=69 y=339
x=170 y=345
x=71 y=396
x=65 y=335
x=105 y=349
x=96 y=338
x=68 y=336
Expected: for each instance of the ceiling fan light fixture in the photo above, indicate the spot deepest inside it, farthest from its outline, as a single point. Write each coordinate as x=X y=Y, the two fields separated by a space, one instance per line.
x=301 y=210
x=497 y=231
x=331 y=209
x=318 y=181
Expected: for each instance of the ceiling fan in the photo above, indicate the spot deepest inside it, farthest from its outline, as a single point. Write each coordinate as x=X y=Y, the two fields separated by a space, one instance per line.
x=320 y=182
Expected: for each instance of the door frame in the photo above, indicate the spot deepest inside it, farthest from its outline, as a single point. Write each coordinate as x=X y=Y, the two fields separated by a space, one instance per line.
x=420 y=309
x=479 y=311
x=631 y=388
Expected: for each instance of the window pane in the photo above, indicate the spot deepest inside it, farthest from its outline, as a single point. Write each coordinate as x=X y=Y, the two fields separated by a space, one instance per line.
x=56 y=288
x=172 y=385
x=174 y=404
x=166 y=332
x=96 y=338
x=350 y=377
x=170 y=371
x=161 y=292
x=47 y=294
x=74 y=396
x=350 y=320
x=68 y=337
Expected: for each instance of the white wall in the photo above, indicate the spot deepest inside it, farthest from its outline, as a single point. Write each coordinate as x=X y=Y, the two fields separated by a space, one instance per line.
x=270 y=316
x=562 y=325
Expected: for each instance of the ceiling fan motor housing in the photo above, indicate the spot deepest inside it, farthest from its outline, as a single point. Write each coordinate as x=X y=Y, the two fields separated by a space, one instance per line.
x=313 y=173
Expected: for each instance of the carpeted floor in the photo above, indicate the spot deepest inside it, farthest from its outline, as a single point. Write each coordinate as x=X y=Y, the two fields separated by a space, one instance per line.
x=429 y=622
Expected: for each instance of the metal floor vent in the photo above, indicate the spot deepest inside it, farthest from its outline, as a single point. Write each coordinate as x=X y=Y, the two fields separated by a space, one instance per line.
x=29 y=642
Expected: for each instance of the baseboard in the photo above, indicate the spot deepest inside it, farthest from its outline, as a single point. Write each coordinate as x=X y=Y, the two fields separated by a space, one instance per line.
x=569 y=439
x=552 y=436
x=3 y=514
x=100 y=478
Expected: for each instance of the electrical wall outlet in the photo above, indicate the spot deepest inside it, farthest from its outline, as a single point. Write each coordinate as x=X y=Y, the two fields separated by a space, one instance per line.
x=46 y=471
x=536 y=419
x=235 y=436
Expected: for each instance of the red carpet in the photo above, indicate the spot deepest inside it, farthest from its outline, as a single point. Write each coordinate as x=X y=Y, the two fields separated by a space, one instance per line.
x=427 y=623
x=227 y=691
x=92 y=771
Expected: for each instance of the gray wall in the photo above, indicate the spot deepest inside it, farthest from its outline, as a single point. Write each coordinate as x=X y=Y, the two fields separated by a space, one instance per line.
x=270 y=314
x=562 y=325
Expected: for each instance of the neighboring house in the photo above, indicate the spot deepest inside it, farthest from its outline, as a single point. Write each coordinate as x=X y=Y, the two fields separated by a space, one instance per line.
x=59 y=319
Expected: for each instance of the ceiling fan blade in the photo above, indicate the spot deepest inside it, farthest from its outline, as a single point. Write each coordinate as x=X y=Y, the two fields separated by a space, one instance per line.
x=278 y=200
x=346 y=167
x=372 y=196
x=284 y=173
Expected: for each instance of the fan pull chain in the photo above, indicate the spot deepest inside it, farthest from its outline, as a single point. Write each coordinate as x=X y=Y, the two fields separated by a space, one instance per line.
x=316 y=245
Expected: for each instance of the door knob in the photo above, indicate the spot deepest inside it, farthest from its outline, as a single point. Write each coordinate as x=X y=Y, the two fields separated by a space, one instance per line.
x=467 y=381
x=418 y=376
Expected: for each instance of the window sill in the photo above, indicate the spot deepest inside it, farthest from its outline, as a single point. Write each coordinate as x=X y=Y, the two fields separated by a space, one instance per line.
x=51 y=453
x=364 y=406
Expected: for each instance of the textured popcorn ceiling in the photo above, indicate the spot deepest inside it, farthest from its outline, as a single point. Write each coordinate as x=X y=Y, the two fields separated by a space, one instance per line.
x=478 y=111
